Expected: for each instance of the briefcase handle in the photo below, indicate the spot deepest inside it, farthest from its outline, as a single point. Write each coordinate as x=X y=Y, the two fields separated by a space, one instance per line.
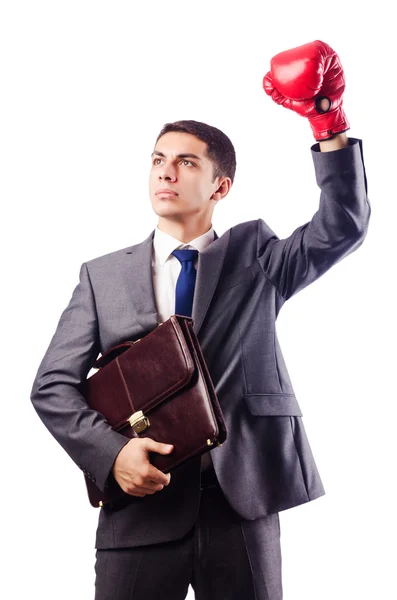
x=114 y=352
x=111 y=354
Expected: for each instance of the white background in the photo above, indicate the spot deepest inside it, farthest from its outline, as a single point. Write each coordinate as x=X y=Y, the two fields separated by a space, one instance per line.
x=86 y=87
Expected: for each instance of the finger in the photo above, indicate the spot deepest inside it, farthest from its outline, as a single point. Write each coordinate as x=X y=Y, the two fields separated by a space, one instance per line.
x=141 y=491
x=158 y=476
x=146 y=486
x=153 y=446
x=151 y=485
x=149 y=489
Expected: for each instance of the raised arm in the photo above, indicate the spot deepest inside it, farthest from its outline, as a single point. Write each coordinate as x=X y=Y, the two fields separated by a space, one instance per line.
x=310 y=81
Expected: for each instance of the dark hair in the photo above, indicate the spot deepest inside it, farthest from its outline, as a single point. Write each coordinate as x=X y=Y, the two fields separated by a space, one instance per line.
x=220 y=149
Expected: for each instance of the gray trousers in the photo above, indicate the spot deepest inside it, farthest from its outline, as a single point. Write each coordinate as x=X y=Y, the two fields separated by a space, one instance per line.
x=222 y=557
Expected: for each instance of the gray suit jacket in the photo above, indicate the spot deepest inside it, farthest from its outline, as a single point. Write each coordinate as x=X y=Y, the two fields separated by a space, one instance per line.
x=243 y=279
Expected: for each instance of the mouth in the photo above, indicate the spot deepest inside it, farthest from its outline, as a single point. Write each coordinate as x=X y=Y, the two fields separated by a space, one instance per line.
x=166 y=193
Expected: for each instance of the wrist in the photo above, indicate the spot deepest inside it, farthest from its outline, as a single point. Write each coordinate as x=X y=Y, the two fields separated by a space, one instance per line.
x=339 y=141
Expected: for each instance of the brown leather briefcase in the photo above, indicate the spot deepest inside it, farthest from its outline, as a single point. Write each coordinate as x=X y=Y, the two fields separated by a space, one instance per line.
x=159 y=387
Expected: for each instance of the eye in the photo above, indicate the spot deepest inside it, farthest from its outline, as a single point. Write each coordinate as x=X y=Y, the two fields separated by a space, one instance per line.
x=157 y=161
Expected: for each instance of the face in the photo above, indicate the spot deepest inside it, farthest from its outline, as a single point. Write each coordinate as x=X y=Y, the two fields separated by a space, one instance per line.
x=179 y=164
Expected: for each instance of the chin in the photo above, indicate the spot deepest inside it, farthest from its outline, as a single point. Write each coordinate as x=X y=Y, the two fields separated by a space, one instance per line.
x=169 y=214
x=165 y=209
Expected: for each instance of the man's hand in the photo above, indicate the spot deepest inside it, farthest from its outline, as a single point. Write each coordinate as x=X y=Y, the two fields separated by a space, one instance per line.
x=133 y=471
x=309 y=80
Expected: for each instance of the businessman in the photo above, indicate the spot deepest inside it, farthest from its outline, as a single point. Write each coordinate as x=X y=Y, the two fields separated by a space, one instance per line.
x=213 y=522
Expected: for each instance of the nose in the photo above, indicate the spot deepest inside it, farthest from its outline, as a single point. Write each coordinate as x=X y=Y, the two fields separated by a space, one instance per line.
x=167 y=173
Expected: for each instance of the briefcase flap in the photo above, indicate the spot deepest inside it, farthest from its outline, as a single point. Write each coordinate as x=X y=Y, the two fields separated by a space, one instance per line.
x=151 y=370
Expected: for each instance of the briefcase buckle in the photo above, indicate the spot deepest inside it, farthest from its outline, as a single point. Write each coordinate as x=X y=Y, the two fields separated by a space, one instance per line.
x=139 y=422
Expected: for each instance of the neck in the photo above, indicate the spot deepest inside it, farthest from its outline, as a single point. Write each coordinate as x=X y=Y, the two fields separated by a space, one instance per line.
x=185 y=232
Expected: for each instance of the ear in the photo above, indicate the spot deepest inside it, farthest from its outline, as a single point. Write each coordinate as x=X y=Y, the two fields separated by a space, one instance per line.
x=216 y=195
x=223 y=189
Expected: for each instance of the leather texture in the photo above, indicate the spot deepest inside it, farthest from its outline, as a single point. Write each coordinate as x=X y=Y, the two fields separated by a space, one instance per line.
x=164 y=375
x=244 y=277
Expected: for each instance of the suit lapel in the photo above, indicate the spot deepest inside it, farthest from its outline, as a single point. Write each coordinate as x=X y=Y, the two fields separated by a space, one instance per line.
x=138 y=280
x=209 y=268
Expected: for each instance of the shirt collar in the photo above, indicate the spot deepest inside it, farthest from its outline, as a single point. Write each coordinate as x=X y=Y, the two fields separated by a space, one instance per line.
x=164 y=244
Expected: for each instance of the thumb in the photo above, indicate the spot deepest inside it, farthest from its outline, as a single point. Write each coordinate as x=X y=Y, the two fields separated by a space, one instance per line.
x=154 y=446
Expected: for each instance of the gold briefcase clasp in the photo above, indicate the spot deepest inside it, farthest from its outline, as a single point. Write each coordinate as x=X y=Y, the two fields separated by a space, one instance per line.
x=139 y=422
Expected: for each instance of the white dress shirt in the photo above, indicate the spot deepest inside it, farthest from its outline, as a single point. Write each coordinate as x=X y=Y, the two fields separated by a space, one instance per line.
x=166 y=267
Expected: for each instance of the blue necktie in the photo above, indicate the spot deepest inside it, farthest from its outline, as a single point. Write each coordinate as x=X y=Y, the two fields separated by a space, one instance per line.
x=186 y=281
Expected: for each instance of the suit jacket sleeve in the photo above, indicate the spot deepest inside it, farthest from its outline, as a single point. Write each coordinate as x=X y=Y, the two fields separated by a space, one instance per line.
x=336 y=229
x=82 y=432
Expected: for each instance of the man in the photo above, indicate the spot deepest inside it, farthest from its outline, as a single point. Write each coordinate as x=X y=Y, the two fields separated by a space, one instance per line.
x=214 y=522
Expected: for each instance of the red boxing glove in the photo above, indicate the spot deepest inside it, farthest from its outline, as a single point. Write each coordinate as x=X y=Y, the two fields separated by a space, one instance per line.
x=301 y=77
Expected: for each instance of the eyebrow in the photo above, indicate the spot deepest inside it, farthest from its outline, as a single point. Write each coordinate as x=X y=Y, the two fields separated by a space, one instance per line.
x=185 y=155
